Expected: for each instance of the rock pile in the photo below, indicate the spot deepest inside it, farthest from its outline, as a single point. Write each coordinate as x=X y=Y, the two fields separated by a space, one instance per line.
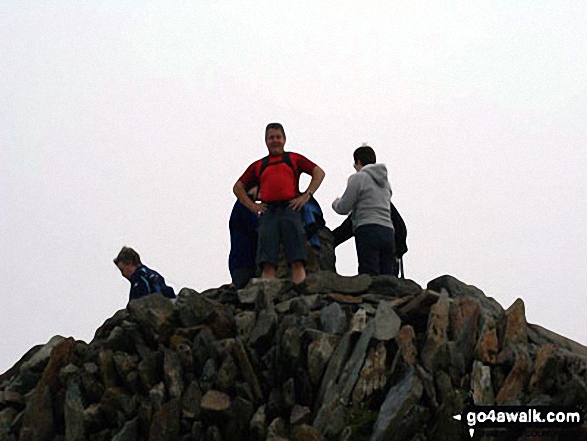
x=343 y=358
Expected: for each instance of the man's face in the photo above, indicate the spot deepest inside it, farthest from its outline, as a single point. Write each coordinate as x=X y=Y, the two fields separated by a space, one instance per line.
x=126 y=269
x=275 y=142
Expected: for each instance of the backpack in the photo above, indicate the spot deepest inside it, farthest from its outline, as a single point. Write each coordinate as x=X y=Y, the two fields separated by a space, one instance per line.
x=285 y=158
x=157 y=284
x=401 y=232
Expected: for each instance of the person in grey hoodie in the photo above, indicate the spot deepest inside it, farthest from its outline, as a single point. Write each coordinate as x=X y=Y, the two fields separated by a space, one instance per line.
x=367 y=197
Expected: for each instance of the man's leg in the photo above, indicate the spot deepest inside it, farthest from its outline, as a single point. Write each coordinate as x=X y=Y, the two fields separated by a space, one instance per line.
x=298 y=272
x=366 y=241
x=268 y=245
x=269 y=271
x=293 y=237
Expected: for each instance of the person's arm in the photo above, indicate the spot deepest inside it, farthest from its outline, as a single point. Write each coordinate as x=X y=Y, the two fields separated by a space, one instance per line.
x=344 y=205
x=317 y=178
x=240 y=192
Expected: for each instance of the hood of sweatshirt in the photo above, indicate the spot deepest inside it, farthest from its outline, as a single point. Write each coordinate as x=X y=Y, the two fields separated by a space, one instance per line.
x=378 y=172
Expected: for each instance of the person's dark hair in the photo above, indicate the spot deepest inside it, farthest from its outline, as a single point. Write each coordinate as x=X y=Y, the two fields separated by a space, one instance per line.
x=365 y=154
x=274 y=126
x=128 y=255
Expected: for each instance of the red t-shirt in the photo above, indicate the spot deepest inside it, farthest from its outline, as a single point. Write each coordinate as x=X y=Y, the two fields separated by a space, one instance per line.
x=278 y=182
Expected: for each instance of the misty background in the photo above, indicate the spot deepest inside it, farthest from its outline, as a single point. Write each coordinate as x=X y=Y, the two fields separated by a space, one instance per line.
x=127 y=123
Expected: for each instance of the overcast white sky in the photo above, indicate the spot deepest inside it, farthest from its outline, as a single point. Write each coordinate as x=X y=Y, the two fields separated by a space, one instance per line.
x=127 y=123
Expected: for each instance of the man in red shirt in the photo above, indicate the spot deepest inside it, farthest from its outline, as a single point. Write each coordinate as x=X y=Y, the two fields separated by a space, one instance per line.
x=280 y=221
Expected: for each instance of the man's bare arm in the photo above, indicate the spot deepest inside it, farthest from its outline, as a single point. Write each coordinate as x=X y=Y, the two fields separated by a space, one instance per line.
x=240 y=192
x=317 y=178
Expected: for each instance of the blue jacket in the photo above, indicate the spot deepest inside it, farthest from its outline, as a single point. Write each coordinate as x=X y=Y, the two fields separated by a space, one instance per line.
x=145 y=281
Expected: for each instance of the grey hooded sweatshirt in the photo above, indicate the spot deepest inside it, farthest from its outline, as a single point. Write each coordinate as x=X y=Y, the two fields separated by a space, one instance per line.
x=367 y=197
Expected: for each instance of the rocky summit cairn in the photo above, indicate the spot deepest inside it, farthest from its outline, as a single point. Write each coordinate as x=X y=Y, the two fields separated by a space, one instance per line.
x=344 y=358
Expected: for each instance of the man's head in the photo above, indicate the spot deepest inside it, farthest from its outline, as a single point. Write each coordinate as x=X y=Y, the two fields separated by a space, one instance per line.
x=363 y=156
x=275 y=138
x=127 y=261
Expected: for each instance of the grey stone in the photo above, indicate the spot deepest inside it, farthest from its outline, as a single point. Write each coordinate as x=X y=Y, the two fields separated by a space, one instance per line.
x=151 y=312
x=215 y=402
x=399 y=402
x=300 y=415
x=245 y=322
x=329 y=282
x=74 y=412
x=173 y=373
x=333 y=369
x=190 y=402
x=41 y=357
x=333 y=319
x=129 y=432
x=227 y=374
x=247 y=370
x=387 y=322
x=319 y=352
x=165 y=425
x=481 y=385
x=258 y=425
x=350 y=373
x=264 y=331
x=392 y=286
x=437 y=333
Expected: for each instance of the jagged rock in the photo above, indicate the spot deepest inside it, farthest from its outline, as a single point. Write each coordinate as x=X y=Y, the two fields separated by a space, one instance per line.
x=165 y=425
x=393 y=421
x=259 y=424
x=406 y=341
x=464 y=323
x=190 y=402
x=488 y=344
x=276 y=430
x=213 y=434
x=359 y=320
x=304 y=432
x=215 y=402
x=325 y=282
x=74 y=411
x=151 y=312
x=437 y=333
x=264 y=331
x=41 y=357
x=392 y=286
x=333 y=319
x=481 y=385
x=387 y=322
x=144 y=373
x=512 y=390
x=516 y=331
x=247 y=369
x=319 y=352
x=245 y=322
x=129 y=432
x=300 y=415
x=416 y=311
x=373 y=374
x=458 y=289
x=173 y=374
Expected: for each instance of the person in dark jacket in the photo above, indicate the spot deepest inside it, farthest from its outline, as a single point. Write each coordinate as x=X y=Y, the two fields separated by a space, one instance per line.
x=243 y=226
x=143 y=280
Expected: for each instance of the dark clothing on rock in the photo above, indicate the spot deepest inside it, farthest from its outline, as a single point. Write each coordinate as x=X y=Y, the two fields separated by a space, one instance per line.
x=243 y=226
x=145 y=281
